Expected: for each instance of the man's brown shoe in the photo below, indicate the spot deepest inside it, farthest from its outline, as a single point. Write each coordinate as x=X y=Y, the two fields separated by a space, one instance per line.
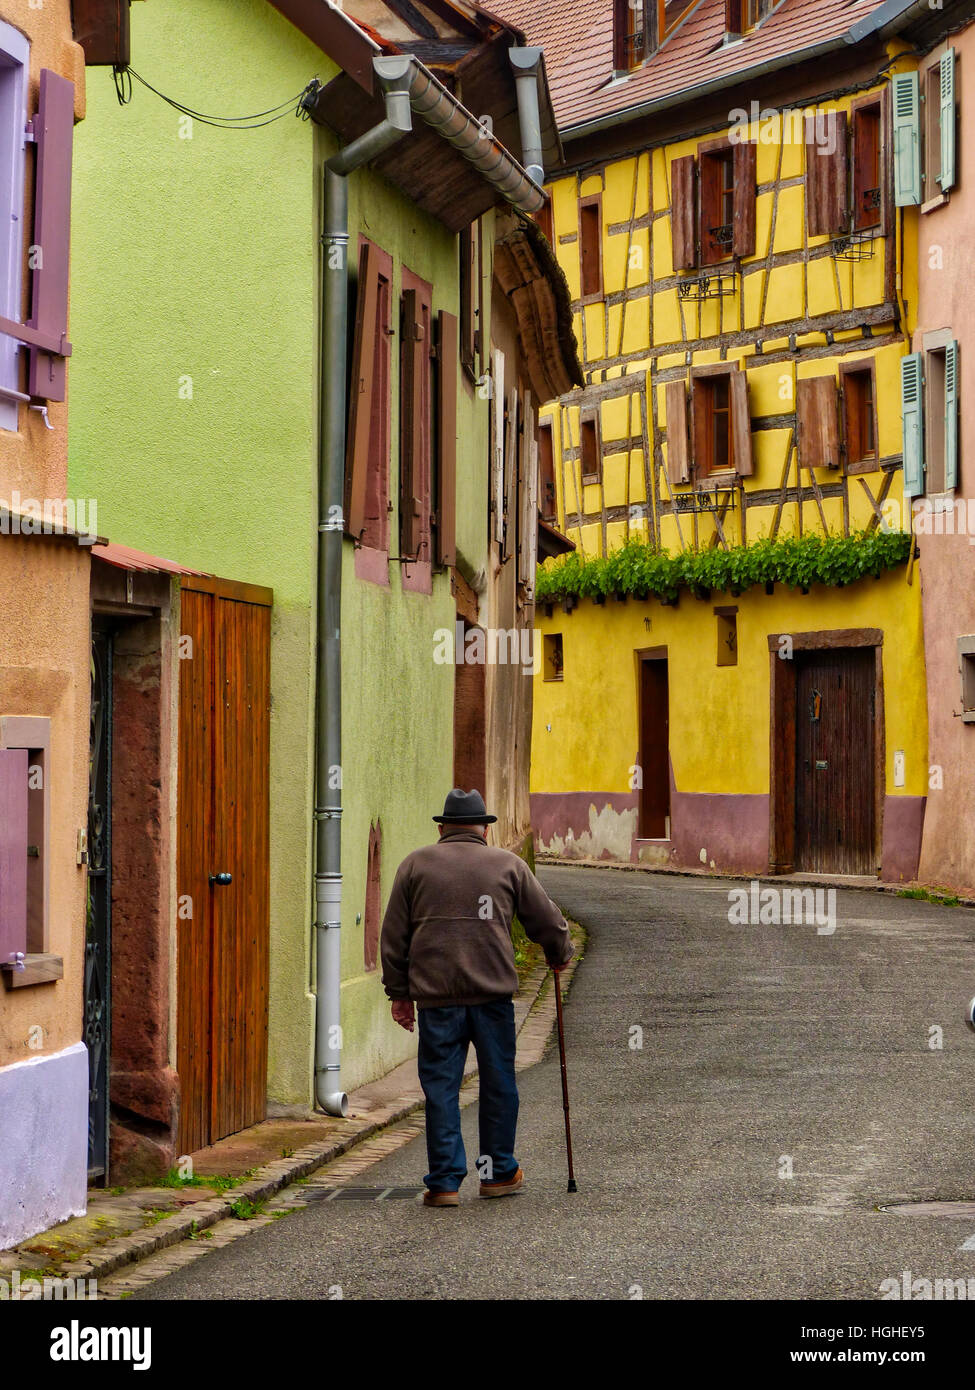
x=441 y=1199
x=503 y=1189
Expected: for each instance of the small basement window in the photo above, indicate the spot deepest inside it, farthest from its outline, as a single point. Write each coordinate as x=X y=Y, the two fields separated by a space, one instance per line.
x=553 y=656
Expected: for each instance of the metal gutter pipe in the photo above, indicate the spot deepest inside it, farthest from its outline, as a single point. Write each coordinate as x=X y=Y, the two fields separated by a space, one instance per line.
x=433 y=103
x=331 y=500
x=525 y=62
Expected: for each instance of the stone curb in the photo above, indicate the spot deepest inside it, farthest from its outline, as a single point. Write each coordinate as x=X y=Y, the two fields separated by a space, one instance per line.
x=775 y=880
x=532 y=1002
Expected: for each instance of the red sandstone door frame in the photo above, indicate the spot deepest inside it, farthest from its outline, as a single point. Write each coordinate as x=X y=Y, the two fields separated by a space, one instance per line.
x=782 y=733
x=653 y=722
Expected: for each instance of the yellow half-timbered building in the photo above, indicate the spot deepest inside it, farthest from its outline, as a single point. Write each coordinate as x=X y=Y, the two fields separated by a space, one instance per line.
x=732 y=667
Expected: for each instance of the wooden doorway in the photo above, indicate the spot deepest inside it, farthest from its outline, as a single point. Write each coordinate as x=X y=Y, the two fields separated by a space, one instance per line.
x=223 y=926
x=654 y=716
x=834 y=762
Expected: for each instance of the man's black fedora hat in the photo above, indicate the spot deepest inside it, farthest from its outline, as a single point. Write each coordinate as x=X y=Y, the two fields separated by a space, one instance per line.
x=464 y=808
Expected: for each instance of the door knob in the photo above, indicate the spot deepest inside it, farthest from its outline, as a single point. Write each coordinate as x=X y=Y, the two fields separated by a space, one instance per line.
x=221 y=880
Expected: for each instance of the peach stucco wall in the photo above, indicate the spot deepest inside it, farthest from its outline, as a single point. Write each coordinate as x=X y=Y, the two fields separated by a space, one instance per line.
x=946 y=255
x=45 y=633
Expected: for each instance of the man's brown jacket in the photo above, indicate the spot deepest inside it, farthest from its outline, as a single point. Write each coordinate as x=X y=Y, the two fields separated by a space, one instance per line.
x=446 y=936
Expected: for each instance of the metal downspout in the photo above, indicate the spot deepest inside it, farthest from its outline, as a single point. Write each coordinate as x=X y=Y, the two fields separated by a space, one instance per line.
x=328 y=699
x=525 y=62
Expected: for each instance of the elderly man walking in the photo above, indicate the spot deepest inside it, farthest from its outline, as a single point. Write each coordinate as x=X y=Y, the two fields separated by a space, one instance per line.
x=446 y=943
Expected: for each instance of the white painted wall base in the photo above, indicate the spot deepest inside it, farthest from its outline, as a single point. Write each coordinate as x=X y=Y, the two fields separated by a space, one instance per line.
x=43 y=1143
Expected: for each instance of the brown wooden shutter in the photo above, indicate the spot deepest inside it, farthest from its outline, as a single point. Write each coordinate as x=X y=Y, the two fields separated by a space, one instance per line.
x=413 y=364
x=817 y=423
x=678 y=459
x=363 y=386
x=743 y=242
x=741 y=425
x=54 y=135
x=682 y=177
x=447 y=440
x=826 y=173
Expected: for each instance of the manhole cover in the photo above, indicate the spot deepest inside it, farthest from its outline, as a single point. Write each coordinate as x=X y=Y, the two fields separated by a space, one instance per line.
x=361 y=1194
x=966 y=1209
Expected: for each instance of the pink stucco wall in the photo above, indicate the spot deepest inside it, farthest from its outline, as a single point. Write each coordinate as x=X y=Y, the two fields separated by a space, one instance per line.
x=946 y=259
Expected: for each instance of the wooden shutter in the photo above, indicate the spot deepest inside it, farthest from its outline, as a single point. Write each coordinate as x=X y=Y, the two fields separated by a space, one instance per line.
x=817 y=422
x=469 y=289
x=912 y=414
x=54 y=135
x=947 y=75
x=13 y=852
x=951 y=415
x=678 y=458
x=907 y=139
x=511 y=445
x=447 y=439
x=682 y=178
x=741 y=425
x=363 y=386
x=826 y=173
x=497 y=442
x=743 y=243
x=413 y=361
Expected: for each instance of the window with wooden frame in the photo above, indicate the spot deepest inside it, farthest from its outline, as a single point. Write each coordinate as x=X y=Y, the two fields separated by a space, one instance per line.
x=727 y=625
x=924 y=131
x=858 y=383
x=368 y=440
x=827 y=177
x=591 y=247
x=416 y=417
x=554 y=666
x=741 y=16
x=470 y=298
x=721 y=426
x=590 y=447
x=940 y=170
x=868 y=165
x=630 y=35
x=713 y=204
x=546 y=471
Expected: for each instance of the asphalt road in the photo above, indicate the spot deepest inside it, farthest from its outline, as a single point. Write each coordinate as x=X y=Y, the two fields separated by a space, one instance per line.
x=765 y=1050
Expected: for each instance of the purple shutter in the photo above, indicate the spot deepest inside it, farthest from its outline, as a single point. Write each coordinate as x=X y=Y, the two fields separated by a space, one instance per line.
x=13 y=852
x=54 y=134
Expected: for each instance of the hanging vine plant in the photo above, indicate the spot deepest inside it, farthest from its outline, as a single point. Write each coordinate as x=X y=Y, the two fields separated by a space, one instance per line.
x=797 y=561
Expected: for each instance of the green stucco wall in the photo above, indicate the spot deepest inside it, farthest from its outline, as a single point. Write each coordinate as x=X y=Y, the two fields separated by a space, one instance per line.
x=198 y=258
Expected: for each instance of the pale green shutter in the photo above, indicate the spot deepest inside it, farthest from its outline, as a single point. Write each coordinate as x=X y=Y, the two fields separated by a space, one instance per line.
x=947 y=177
x=951 y=415
x=913 y=432
x=907 y=139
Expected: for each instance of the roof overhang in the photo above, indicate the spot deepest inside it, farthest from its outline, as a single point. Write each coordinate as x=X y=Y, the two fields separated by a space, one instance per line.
x=551 y=541
x=526 y=269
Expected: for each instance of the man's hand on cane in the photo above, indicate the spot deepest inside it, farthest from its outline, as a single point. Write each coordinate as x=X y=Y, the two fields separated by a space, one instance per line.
x=402 y=1011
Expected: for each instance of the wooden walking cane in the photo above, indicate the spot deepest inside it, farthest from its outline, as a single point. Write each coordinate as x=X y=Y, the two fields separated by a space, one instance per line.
x=565 y=1085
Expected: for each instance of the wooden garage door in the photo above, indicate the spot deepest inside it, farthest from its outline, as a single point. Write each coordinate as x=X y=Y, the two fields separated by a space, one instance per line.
x=224 y=703
x=835 y=762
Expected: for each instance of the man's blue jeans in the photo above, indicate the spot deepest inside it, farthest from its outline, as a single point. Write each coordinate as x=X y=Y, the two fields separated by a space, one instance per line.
x=445 y=1034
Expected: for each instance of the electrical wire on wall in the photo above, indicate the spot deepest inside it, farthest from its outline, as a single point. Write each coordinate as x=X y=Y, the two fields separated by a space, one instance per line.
x=299 y=104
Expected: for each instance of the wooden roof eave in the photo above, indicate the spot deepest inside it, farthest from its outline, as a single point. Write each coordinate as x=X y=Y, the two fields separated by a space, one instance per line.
x=536 y=287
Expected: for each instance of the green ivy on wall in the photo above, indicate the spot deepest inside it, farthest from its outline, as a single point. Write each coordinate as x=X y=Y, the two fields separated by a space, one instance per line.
x=799 y=561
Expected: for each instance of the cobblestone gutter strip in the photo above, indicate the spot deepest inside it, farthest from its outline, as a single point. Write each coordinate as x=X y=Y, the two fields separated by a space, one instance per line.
x=854 y=883
x=534 y=1015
